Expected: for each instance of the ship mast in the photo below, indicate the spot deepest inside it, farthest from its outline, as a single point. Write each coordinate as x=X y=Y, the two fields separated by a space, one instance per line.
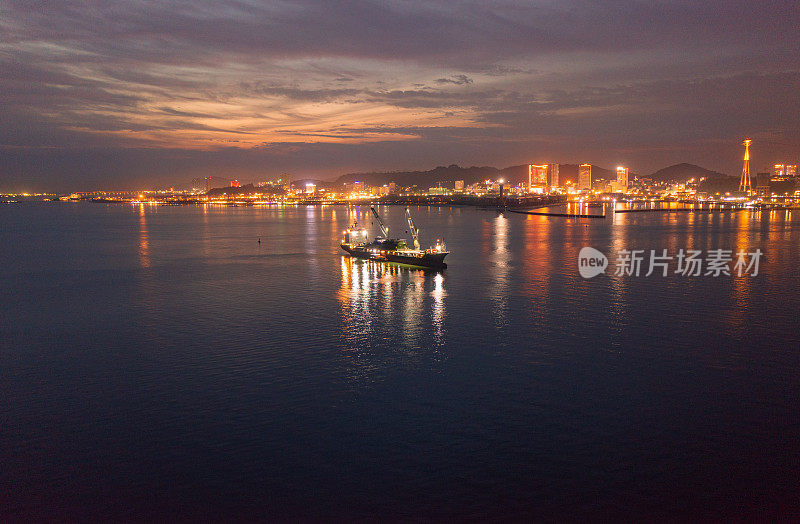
x=384 y=229
x=414 y=230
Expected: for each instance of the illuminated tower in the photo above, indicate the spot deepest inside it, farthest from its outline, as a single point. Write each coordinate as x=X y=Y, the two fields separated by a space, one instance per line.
x=622 y=178
x=585 y=177
x=745 y=184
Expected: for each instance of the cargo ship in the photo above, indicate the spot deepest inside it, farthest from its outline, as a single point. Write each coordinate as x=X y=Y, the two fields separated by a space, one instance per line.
x=385 y=249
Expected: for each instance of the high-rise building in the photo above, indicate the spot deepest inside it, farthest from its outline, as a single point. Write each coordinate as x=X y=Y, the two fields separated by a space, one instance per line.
x=537 y=176
x=554 y=176
x=585 y=177
x=459 y=185
x=234 y=183
x=622 y=178
x=783 y=171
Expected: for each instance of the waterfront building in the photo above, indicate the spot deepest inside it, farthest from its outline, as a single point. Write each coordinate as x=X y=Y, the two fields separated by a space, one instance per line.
x=784 y=171
x=537 y=177
x=585 y=177
x=622 y=179
x=554 y=176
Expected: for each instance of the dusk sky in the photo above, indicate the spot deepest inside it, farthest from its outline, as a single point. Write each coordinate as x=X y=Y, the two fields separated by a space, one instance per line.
x=128 y=95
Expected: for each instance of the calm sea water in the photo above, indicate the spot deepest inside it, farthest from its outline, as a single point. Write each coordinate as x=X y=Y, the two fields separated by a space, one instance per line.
x=157 y=362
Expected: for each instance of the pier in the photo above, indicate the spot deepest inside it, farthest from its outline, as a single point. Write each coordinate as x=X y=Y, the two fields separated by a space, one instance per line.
x=549 y=214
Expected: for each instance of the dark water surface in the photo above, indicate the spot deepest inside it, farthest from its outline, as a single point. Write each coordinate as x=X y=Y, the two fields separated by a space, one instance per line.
x=158 y=362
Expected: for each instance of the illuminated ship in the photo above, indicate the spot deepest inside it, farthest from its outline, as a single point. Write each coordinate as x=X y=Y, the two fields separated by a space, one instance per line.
x=385 y=249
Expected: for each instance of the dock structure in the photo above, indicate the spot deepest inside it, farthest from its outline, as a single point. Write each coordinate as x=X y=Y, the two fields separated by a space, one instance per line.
x=725 y=209
x=549 y=214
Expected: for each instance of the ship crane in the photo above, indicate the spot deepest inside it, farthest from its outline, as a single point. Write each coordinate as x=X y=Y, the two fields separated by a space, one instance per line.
x=384 y=229
x=414 y=230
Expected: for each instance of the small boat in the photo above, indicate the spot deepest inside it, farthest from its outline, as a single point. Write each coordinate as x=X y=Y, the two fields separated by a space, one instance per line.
x=385 y=249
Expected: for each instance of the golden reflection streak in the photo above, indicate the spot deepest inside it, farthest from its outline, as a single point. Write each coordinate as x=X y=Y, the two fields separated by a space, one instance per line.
x=336 y=229
x=412 y=306
x=741 y=286
x=501 y=257
x=206 y=232
x=368 y=297
x=538 y=259
x=620 y=231
x=354 y=301
x=144 y=239
x=311 y=231
x=437 y=312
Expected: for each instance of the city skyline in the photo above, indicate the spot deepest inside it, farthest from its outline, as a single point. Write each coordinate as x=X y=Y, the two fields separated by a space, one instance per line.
x=159 y=94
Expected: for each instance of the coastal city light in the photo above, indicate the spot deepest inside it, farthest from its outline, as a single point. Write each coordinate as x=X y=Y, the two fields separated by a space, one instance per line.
x=535 y=184
x=415 y=261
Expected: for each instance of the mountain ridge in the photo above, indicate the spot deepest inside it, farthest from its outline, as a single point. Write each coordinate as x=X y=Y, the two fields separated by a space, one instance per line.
x=682 y=172
x=447 y=175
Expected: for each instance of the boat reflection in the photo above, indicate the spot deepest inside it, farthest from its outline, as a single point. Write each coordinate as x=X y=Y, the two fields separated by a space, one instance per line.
x=390 y=314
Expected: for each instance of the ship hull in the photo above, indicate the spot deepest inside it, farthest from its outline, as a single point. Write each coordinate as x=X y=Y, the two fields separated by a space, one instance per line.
x=426 y=259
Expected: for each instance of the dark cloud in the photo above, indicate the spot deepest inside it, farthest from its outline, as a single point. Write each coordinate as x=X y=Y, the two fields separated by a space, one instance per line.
x=461 y=30
x=459 y=80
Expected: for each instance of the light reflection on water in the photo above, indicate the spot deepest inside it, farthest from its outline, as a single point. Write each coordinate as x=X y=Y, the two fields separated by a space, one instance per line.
x=500 y=271
x=390 y=307
x=144 y=240
x=169 y=349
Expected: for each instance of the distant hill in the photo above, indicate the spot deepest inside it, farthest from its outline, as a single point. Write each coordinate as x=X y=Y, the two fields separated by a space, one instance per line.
x=570 y=172
x=446 y=176
x=246 y=189
x=515 y=174
x=321 y=184
x=722 y=185
x=680 y=173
